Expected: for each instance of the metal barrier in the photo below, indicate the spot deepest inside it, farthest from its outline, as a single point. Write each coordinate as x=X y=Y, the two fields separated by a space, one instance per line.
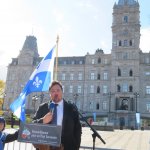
x=27 y=146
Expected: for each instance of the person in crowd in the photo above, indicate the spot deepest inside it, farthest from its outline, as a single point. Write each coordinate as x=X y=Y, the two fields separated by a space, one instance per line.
x=67 y=117
x=6 y=137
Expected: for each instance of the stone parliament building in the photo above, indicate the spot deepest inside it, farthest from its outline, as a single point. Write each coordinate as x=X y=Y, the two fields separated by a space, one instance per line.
x=113 y=86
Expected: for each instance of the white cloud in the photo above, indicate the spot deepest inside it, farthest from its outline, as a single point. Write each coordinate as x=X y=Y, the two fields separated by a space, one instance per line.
x=145 y=40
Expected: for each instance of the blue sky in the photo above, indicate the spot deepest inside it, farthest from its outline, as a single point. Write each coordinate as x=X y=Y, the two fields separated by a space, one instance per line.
x=83 y=26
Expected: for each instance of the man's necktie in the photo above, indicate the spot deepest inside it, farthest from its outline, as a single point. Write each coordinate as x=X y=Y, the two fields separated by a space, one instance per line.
x=54 y=120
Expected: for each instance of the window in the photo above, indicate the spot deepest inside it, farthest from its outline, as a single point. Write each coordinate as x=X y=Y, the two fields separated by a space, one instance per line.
x=104 y=105
x=105 y=76
x=118 y=88
x=92 y=89
x=97 y=106
x=63 y=76
x=130 y=43
x=147 y=73
x=120 y=43
x=92 y=76
x=80 y=76
x=78 y=104
x=147 y=60
x=125 y=43
x=125 y=87
x=130 y=73
x=71 y=89
x=93 y=61
x=80 y=62
x=147 y=89
x=99 y=60
x=105 y=89
x=125 y=56
x=98 y=89
x=148 y=107
x=71 y=76
x=105 y=61
x=63 y=87
x=79 y=89
x=98 y=77
x=91 y=105
x=125 y=19
x=73 y=62
x=119 y=72
x=130 y=88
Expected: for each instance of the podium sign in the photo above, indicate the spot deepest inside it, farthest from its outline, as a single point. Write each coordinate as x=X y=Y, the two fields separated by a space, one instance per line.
x=40 y=134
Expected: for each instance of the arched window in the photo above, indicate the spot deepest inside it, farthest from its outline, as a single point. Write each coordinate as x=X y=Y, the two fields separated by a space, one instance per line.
x=130 y=88
x=120 y=43
x=99 y=60
x=130 y=73
x=98 y=89
x=97 y=106
x=98 y=77
x=119 y=72
x=118 y=88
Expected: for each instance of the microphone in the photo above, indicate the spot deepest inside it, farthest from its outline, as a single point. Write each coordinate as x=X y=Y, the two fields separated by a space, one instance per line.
x=51 y=107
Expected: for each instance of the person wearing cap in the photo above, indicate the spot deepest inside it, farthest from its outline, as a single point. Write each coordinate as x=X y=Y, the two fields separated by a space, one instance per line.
x=6 y=137
x=67 y=117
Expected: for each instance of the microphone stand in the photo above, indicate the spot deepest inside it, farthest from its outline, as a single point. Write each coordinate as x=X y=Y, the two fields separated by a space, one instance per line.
x=95 y=133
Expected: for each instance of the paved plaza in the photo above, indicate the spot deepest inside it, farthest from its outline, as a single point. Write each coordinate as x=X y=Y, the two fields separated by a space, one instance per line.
x=115 y=140
x=118 y=139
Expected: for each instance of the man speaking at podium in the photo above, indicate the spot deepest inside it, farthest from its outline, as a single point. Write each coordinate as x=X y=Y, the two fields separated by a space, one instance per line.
x=60 y=112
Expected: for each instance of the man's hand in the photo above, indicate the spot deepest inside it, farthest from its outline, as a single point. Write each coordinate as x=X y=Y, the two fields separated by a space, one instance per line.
x=47 y=118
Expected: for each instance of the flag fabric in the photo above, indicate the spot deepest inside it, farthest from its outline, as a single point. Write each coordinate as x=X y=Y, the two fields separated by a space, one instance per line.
x=39 y=81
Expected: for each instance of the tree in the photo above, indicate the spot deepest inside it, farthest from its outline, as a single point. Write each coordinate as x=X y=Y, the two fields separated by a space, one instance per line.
x=2 y=87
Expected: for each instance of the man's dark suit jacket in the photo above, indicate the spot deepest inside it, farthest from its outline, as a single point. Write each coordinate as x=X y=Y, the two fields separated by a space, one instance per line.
x=71 y=127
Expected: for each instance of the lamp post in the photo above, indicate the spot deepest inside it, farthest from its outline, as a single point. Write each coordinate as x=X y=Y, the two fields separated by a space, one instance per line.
x=75 y=98
x=34 y=100
x=136 y=94
x=41 y=98
x=109 y=94
x=137 y=116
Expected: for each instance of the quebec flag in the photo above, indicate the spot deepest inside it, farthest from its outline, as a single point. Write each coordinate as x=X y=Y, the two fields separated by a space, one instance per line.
x=39 y=81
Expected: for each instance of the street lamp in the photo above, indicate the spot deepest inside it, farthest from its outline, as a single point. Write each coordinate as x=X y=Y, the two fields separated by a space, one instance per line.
x=136 y=94
x=109 y=94
x=34 y=100
x=75 y=98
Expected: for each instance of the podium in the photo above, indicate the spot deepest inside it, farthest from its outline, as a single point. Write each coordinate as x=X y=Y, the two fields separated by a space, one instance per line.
x=42 y=135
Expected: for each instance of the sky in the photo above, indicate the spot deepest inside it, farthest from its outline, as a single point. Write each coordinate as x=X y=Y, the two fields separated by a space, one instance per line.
x=82 y=26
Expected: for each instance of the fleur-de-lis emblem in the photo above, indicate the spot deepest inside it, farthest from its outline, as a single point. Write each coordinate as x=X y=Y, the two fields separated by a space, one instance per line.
x=37 y=82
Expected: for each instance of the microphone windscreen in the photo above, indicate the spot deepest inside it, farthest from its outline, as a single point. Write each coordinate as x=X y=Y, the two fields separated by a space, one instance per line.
x=51 y=107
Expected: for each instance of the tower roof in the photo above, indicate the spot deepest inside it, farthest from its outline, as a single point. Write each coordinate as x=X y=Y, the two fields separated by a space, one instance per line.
x=127 y=2
x=30 y=44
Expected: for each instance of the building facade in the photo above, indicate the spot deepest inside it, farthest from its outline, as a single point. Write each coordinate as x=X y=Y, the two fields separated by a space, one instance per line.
x=113 y=86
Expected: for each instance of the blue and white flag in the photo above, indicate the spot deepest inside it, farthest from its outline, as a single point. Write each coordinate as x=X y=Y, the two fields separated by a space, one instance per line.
x=39 y=81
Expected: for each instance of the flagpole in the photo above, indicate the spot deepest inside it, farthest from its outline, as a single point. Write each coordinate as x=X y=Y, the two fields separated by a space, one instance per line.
x=56 y=64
